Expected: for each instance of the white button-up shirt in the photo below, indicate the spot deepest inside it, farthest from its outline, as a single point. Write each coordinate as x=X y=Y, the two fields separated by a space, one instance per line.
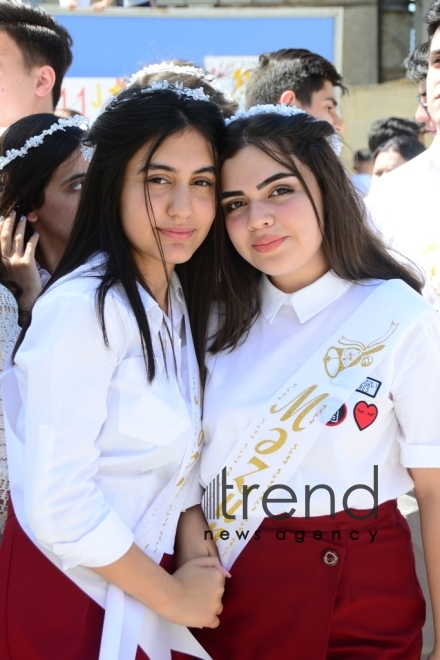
x=404 y=207
x=100 y=441
x=291 y=328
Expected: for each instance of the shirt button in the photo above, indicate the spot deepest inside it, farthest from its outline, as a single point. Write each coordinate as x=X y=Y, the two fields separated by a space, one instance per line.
x=330 y=558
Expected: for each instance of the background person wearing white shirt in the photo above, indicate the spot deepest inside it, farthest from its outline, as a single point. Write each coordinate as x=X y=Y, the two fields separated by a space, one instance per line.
x=298 y=590
x=108 y=403
x=404 y=205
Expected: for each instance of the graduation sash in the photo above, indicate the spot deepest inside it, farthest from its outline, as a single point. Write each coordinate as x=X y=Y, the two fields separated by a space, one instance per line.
x=127 y=621
x=285 y=428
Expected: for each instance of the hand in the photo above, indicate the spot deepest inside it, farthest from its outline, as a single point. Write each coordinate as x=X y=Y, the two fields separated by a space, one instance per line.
x=72 y=4
x=100 y=6
x=19 y=259
x=197 y=592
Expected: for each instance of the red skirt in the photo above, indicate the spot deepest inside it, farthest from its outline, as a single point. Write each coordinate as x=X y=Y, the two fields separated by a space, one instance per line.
x=43 y=614
x=310 y=593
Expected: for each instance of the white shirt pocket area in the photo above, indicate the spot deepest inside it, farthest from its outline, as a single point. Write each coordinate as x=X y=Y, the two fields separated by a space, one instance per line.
x=154 y=412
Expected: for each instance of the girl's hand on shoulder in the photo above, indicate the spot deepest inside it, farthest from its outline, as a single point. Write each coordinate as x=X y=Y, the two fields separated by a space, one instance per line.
x=19 y=259
x=197 y=593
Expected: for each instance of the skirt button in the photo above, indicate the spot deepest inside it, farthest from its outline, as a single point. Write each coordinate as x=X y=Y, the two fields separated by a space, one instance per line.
x=330 y=558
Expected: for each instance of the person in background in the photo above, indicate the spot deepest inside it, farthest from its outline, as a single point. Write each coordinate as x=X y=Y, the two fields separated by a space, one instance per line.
x=416 y=67
x=190 y=75
x=385 y=129
x=65 y=113
x=39 y=196
x=394 y=153
x=363 y=166
x=35 y=53
x=296 y=76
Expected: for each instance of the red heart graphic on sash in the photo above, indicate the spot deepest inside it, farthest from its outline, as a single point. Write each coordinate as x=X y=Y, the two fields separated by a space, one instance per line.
x=364 y=414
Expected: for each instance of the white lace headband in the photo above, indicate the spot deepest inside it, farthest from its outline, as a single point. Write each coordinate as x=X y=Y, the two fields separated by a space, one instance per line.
x=183 y=69
x=334 y=141
x=177 y=88
x=78 y=120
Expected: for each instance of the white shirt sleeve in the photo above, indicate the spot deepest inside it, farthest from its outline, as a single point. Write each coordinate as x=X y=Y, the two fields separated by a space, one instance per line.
x=65 y=372
x=416 y=397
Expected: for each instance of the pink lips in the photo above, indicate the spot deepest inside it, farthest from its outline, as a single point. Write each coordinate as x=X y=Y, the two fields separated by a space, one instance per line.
x=268 y=243
x=180 y=234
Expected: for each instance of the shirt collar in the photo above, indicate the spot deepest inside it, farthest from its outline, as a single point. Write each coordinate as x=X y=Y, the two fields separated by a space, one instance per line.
x=306 y=302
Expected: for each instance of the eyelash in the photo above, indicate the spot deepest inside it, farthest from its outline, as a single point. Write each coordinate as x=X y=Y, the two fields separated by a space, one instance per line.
x=281 y=190
x=159 y=181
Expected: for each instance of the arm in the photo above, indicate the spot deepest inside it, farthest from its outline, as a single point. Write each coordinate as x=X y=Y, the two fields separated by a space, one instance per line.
x=68 y=371
x=427 y=491
x=190 y=597
x=190 y=537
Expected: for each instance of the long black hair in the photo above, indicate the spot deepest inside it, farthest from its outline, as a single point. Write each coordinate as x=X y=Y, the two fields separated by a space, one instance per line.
x=352 y=249
x=133 y=119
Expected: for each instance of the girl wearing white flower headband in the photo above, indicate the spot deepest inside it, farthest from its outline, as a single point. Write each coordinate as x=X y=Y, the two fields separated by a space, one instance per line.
x=320 y=410
x=42 y=169
x=103 y=402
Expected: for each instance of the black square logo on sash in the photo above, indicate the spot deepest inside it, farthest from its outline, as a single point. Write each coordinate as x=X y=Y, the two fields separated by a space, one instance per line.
x=370 y=387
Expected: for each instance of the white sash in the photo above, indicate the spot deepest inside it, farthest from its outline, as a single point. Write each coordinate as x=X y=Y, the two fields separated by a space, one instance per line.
x=285 y=428
x=127 y=621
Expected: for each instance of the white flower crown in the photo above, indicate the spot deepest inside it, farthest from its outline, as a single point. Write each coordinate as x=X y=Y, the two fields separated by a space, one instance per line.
x=184 y=69
x=78 y=120
x=334 y=141
x=177 y=88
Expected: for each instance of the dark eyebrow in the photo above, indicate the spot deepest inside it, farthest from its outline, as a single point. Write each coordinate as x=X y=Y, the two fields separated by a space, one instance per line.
x=333 y=100
x=260 y=186
x=274 y=177
x=434 y=52
x=74 y=177
x=232 y=193
x=209 y=169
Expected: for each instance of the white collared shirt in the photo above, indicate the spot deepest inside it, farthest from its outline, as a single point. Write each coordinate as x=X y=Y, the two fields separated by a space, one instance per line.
x=290 y=329
x=404 y=206
x=100 y=441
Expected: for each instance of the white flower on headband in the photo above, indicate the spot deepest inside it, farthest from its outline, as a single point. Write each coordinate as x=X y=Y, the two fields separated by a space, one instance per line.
x=184 y=69
x=178 y=88
x=87 y=152
x=269 y=108
x=78 y=120
x=334 y=141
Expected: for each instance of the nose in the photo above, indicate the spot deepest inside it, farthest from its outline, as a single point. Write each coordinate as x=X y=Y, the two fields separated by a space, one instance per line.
x=258 y=216
x=422 y=114
x=338 y=123
x=179 y=206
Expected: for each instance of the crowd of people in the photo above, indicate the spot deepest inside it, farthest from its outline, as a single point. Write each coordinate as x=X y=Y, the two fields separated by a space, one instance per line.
x=221 y=359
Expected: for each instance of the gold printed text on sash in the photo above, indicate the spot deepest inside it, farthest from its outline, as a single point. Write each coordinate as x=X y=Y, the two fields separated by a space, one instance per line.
x=296 y=406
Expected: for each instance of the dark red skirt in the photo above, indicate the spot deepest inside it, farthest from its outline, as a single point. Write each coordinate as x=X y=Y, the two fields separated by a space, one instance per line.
x=315 y=596
x=43 y=614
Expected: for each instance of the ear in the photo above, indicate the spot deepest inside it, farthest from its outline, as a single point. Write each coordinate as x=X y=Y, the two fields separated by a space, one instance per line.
x=32 y=216
x=45 y=81
x=289 y=98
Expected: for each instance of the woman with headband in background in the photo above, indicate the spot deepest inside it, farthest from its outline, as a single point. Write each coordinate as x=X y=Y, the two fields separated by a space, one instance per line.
x=320 y=410
x=40 y=183
x=103 y=402
x=42 y=170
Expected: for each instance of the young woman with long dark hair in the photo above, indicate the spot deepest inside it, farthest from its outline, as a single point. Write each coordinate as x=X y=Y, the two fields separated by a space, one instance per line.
x=320 y=410
x=103 y=402
x=40 y=185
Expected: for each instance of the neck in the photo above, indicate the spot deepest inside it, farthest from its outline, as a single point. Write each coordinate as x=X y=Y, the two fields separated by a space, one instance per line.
x=292 y=282
x=49 y=253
